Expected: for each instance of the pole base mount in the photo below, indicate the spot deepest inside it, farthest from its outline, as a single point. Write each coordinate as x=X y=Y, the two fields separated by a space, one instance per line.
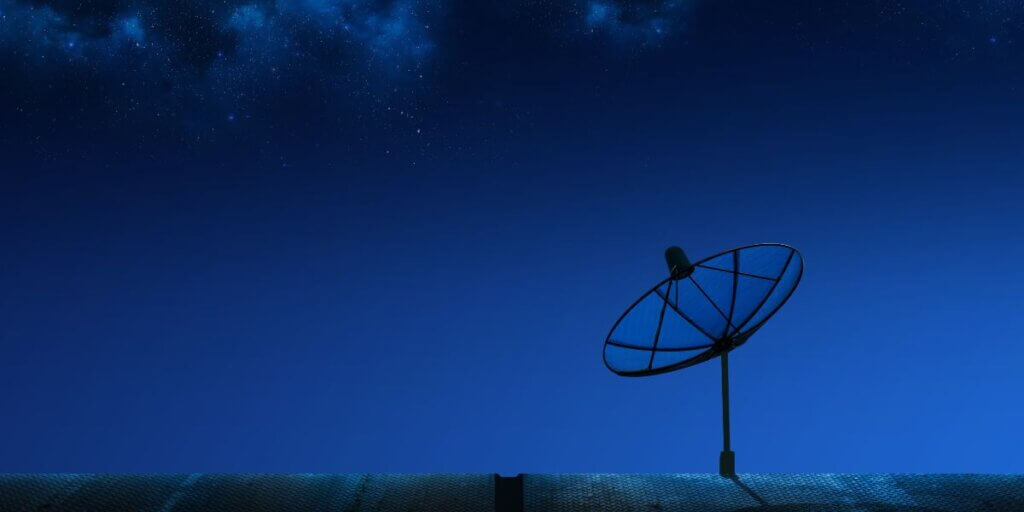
x=727 y=463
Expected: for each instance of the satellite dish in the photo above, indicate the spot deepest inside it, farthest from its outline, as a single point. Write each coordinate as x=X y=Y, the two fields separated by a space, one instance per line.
x=701 y=311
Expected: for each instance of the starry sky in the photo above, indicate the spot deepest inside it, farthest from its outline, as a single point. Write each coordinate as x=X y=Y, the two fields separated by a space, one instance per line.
x=391 y=235
x=154 y=75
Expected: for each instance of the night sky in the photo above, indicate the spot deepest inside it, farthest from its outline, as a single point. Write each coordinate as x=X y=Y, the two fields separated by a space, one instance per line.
x=362 y=235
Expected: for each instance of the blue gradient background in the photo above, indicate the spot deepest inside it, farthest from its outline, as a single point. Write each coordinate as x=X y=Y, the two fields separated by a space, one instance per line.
x=352 y=299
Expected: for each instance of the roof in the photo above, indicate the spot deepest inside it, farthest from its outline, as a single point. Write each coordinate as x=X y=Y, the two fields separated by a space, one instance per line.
x=475 y=492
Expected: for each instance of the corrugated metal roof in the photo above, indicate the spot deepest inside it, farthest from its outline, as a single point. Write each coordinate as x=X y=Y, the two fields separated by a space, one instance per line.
x=541 y=492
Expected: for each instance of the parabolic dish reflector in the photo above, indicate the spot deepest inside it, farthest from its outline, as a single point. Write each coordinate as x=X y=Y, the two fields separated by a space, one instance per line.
x=696 y=315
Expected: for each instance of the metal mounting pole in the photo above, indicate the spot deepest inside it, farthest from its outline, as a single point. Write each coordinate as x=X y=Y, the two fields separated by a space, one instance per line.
x=727 y=459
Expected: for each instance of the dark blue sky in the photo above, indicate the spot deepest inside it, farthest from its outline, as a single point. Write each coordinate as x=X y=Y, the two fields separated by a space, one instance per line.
x=391 y=236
